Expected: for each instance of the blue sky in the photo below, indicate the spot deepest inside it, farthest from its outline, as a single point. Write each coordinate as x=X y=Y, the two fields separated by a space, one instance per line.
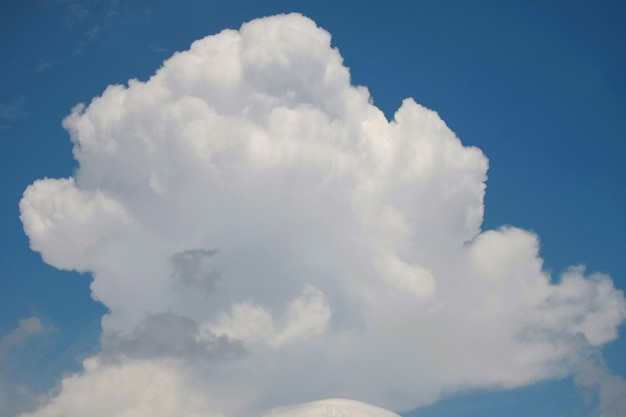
x=538 y=86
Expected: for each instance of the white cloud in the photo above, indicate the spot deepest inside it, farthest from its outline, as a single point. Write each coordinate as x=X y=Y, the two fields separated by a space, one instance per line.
x=306 y=316
x=68 y=221
x=134 y=389
x=331 y=408
x=252 y=160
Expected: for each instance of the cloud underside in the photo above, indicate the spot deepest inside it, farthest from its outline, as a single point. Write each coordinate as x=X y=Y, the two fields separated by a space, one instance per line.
x=262 y=235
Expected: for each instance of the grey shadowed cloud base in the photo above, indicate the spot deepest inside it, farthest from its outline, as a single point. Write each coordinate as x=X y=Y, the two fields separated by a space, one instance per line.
x=345 y=240
x=195 y=268
x=168 y=335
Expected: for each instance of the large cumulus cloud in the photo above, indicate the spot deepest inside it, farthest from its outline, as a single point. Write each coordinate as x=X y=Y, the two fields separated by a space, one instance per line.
x=251 y=203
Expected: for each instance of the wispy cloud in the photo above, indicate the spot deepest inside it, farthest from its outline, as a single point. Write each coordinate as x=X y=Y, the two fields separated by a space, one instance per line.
x=87 y=17
x=25 y=329
x=158 y=49
x=112 y=10
x=20 y=349
x=45 y=65
x=75 y=10
x=92 y=33
x=13 y=110
x=87 y=38
x=606 y=389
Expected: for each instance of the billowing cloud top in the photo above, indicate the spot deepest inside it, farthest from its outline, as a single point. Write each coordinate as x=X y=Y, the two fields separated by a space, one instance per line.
x=262 y=235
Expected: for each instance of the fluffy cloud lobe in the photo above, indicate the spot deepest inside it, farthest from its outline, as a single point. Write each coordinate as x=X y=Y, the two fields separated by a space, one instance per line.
x=250 y=202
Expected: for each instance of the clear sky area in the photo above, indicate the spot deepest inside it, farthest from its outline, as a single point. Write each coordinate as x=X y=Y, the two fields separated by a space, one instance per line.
x=216 y=208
